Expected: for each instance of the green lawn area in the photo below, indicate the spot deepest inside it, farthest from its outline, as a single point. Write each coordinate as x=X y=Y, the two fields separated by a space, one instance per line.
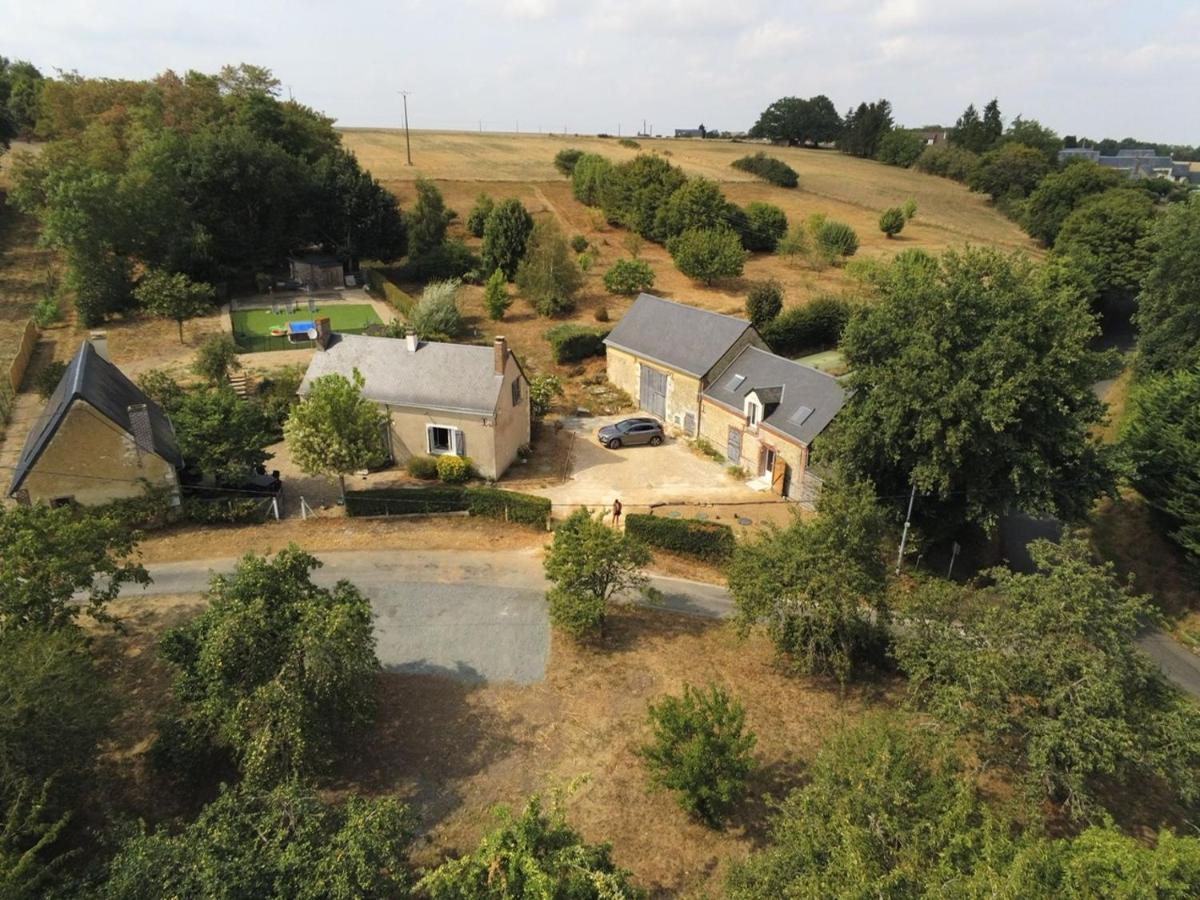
x=830 y=361
x=342 y=317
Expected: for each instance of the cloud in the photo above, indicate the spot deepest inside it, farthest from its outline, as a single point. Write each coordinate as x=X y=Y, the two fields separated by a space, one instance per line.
x=671 y=17
x=771 y=39
x=529 y=9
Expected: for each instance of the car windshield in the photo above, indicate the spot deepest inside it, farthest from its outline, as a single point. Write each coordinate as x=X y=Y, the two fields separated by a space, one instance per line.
x=630 y=424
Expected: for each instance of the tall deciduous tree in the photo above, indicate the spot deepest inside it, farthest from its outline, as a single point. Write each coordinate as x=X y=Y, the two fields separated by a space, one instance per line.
x=221 y=434
x=216 y=358
x=535 y=854
x=698 y=203
x=49 y=555
x=632 y=193
x=818 y=586
x=174 y=296
x=971 y=378
x=1010 y=171
x=1057 y=195
x=708 y=254
x=505 y=236
x=428 y=220
x=276 y=671
x=334 y=430
x=795 y=120
x=1103 y=242
x=1043 y=673
x=548 y=275
x=589 y=563
x=1168 y=316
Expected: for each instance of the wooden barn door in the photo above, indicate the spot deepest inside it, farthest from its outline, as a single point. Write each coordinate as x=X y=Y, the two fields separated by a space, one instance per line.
x=779 y=476
x=653 y=395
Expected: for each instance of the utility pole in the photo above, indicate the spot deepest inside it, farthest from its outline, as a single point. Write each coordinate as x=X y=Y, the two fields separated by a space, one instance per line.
x=407 y=145
x=907 y=523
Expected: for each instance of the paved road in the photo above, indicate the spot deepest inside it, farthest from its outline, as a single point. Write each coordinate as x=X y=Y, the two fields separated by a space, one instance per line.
x=476 y=615
x=480 y=615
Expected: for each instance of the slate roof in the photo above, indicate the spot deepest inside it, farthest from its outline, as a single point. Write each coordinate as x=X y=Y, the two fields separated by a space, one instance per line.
x=93 y=379
x=449 y=377
x=681 y=337
x=801 y=387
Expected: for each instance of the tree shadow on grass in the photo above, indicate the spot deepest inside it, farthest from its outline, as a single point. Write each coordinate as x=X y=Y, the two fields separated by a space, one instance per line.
x=768 y=786
x=629 y=626
x=431 y=737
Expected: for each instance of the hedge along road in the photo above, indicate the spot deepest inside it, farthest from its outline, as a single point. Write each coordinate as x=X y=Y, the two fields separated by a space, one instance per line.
x=473 y=615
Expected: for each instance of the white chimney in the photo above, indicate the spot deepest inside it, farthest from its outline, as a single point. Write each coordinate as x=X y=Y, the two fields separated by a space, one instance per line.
x=410 y=341
x=99 y=342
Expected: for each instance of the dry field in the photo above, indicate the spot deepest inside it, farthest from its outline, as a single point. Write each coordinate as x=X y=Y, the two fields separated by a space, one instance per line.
x=455 y=750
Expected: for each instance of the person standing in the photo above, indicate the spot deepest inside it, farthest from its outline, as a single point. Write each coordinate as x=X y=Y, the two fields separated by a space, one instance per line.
x=616 y=513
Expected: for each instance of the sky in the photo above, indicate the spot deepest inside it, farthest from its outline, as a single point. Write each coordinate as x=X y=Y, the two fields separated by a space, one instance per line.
x=1100 y=68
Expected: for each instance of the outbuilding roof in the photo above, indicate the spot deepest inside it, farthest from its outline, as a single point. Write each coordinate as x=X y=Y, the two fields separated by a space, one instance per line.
x=95 y=380
x=449 y=377
x=800 y=400
x=681 y=337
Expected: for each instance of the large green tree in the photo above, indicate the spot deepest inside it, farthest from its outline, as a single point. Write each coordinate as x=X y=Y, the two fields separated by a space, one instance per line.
x=428 y=220
x=59 y=562
x=505 y=236
x=221 y=434
x=20 y=90
x=796 y=120
x=971 y=379
x=1057 y=195
x=335 y=430
x=1168 y=315
x=535 y=854
x=277 y=671
x=174 y=296
x=708 y=254
x=1103 y=242
x=282 y=844
x=817 y=587
x=864 y=128
x=548 y=276
x=1011 y=171
x=697 y=203
x=1162 y=439
x=1041 y=671
x=632 y=193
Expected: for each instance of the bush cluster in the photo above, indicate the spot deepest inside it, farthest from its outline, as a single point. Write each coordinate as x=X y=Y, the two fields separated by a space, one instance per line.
x=453 y=259
x=224 y=511
x=477 y=219
x=763 y=225
x=571 y=343
x=764 y=302
x=708 y=254
x=836 y=238
x=768 y=168
x=423 y=467
x=565 y=160
x=707 y=540
x=949 y=161
x=816 y=325
x=453 y=469
x=629 y=276
x=509 y=506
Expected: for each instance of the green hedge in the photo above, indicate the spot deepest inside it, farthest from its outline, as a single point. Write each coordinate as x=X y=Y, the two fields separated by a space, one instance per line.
x=571 y=343
x=710 y=540
x=510 y=506
x=382 y=285
x=493 y=503
x=817 y=325
x=768 y=168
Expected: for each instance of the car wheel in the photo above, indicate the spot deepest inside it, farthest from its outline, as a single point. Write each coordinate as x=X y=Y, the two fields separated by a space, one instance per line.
x=614 y=444
x=655 y=441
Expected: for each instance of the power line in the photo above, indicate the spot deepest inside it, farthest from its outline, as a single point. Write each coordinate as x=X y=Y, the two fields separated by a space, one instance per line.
x=407 y=145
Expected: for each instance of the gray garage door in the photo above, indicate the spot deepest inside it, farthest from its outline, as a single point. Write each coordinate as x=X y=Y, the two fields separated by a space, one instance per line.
x=733 y=450
x=653 y=396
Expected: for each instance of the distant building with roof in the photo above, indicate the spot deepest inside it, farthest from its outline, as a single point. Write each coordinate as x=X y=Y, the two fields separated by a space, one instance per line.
x=99 y=439
x=712 y=376
x=440 y=398
x=1136 y=163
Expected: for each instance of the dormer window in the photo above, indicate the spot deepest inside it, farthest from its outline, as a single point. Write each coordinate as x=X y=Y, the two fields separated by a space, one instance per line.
x=753 y=412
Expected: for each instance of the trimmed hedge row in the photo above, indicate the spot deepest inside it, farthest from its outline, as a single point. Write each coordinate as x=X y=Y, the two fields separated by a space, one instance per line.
x=382 y=285
x=817 y=325
x=571 y=343
x=768 y=168
x=710 y=540
x=492 y=503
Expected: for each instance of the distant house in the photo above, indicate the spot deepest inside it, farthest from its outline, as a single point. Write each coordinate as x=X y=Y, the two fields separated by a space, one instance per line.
x=713 y=376
x=99 y=439
x=1135 y=162
x=691 y=132
x=440 y=398
x=317 y=270
x=932 y=136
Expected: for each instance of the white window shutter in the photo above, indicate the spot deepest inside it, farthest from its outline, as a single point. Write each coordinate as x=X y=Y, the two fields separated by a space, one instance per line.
x=429 y=438
x=460 y=443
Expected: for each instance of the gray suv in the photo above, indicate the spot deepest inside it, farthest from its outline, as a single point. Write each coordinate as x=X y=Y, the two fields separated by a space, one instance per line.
x=628 y=432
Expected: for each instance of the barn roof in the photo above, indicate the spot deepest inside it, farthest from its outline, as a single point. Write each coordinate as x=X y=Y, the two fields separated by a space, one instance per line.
x=681 y=337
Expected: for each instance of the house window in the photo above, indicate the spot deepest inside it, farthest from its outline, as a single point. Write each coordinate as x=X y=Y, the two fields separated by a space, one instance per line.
x=751 y=413
x=443 y=439
x=516 y=389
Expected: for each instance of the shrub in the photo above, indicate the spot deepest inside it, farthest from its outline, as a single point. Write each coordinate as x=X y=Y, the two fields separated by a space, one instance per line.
x=506 y=236
x=635 y=192
x=794 y=243
x=47 y=311
x=452 y=259
x=571 y=343
x=765 y=225
x=216 y=358
x=949 y=161
x=892 y=221
x=453 y=469
x=815 y=325
x=768 y=168
x=764 y=302
x=696 y=203
x=910 y=209
x=407 y=501
x=601 y=313
x=836 y=238
x=701 y=750
x=565 y=160
x=629 y=142
x=709 y=254
x=477 y=220
x=629 y=276
x=508 y=506
x=423 y=467
x=427 y=220
x=47 y=380
x=495 y=296
x=588 y=178
x=436 y=316
x=542 y=391
x=900 y=148
x=579 y=243
x=225 y=511
x=707 y=540
x=548 y=275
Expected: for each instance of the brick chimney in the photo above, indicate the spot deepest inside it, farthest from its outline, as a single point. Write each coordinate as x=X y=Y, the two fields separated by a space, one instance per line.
x=139 y=424
x=99 y=342
x=410 y=341
x=324 y=332
x=501 y=347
